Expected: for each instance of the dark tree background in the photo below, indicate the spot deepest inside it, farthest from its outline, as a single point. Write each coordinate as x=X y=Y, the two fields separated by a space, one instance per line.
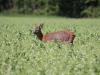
x=68 y=8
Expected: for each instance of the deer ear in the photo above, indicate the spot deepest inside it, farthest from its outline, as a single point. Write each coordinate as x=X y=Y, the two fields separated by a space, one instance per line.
x=41 y=25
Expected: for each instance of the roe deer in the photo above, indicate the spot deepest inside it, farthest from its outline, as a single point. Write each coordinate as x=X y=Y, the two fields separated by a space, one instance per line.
x=66 y=36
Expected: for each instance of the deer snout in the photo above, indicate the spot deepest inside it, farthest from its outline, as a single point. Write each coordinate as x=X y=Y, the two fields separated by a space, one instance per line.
x=34 y=32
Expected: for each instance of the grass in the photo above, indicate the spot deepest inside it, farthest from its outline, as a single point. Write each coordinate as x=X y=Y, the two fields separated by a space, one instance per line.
x=21 y=53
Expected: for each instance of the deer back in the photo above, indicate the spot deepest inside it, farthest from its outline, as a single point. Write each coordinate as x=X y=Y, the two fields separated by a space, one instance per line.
x=60 y=35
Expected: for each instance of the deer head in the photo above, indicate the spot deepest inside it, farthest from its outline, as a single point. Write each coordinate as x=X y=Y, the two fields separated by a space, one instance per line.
x=37 y=31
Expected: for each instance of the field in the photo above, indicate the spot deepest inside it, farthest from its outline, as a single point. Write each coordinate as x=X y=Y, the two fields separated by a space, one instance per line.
x=21 y=53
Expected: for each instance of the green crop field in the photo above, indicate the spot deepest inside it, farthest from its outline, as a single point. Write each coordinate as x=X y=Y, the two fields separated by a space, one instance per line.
x=21 y=53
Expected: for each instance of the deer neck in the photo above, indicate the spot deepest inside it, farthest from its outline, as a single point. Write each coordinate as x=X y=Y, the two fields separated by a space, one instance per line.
x=40 y=35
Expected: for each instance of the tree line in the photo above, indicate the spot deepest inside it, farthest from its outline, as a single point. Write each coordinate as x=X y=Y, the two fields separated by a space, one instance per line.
x=68 y=8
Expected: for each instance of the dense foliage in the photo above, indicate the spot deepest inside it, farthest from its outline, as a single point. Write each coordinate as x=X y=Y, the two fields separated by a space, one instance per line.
x=21 y=53
x=71 y=8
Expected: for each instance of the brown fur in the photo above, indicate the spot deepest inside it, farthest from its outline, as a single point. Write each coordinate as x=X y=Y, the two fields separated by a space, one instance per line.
x=64 y=36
